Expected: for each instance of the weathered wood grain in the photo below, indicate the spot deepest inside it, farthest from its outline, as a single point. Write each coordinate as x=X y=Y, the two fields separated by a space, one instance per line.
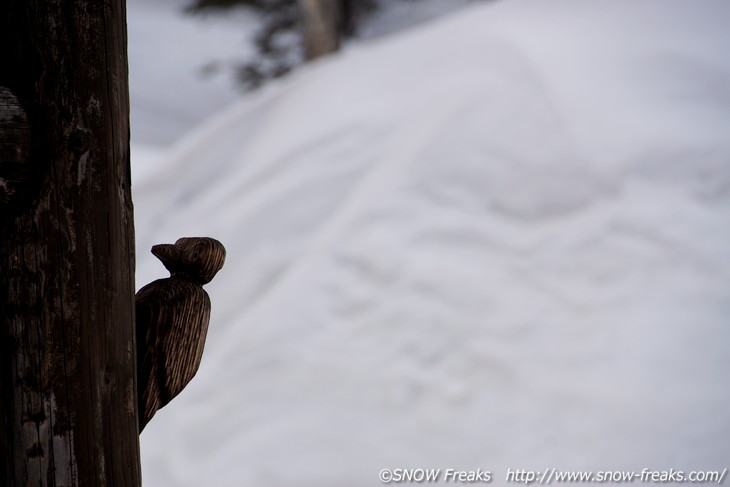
x=14 y=147
x=172 y=321
x=67 y=367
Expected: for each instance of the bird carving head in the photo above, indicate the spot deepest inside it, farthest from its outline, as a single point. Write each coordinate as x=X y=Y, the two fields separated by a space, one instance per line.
x=197 y=258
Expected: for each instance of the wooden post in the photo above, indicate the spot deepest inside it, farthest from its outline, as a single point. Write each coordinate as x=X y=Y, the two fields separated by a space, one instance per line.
x=67 y=355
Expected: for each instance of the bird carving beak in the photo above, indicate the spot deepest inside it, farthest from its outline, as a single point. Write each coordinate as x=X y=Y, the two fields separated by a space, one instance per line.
x=166 y=252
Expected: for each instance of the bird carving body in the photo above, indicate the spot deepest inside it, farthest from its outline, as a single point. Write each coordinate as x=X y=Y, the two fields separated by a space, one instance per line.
x=172 y=321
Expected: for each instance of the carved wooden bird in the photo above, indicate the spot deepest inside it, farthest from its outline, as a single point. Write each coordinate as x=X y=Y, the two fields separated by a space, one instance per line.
x=172 y=321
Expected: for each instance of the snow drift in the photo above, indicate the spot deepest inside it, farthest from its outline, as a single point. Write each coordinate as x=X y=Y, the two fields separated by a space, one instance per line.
x=497 y=241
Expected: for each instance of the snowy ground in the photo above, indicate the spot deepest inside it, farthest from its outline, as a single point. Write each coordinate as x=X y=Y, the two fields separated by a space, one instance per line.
x=495 y=241
x=168 y=53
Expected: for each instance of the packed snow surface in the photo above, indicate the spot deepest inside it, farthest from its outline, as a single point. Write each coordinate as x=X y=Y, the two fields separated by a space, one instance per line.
x=499 y=240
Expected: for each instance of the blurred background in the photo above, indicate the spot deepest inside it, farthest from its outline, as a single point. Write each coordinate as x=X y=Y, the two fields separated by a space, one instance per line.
x=461 y=234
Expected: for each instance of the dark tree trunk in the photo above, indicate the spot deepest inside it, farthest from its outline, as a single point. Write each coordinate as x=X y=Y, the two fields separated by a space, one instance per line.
x=67 y=355
x=321 y=22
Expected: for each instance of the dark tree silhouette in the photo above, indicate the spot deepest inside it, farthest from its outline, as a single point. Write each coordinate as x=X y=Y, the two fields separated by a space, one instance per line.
x=292 y=31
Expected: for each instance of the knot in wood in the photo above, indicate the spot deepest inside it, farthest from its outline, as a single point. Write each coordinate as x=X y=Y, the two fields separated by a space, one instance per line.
x=79 y=140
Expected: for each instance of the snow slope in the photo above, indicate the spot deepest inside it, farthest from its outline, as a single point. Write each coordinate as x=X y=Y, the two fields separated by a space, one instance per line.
x=168 y=53
x=496 y=241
